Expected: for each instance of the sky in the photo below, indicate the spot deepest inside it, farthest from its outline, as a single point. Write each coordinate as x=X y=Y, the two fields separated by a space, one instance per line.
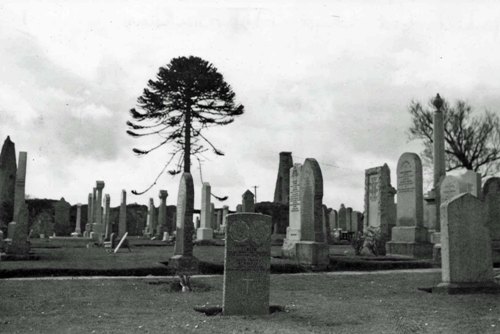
x=330 y=80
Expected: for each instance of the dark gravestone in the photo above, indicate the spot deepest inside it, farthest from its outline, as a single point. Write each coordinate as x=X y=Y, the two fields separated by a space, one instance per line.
x=248 y=202
x=62 y=225
x=282 y=189
x=20 y=245
x=247 y=261
x=8 y=169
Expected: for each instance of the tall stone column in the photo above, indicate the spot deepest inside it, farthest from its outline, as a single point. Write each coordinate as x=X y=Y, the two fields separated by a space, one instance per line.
x=205 y=232
x=122 y=224
x=94 y=206
x=20 y=184
x=78 y=229
x=162 y=213
x=107 y=223
x=98 y=209
x=438 y=155
x=89 y=209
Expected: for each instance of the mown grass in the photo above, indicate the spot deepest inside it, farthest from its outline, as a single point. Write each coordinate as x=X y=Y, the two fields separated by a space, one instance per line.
x=315 y=303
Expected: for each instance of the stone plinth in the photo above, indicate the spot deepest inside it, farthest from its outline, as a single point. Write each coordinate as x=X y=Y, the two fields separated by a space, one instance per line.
x=410 y=237
x=313 y=255
x=247 y=262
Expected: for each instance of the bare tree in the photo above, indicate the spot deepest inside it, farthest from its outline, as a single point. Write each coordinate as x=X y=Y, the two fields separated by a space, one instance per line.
x=472 y=140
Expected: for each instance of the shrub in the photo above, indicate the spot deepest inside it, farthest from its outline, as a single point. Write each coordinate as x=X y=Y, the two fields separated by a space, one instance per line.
x=375 y=241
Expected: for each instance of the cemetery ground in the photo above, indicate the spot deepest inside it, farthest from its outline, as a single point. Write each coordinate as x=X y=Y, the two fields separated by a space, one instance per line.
x=374 y=302
x=327 y=302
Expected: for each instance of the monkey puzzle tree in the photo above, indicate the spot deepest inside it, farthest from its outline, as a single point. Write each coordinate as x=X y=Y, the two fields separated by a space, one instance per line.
x=187 y=96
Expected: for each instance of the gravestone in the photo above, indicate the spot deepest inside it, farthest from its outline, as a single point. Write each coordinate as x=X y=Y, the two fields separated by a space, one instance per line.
x=281 y=191
x=327 y=230
x=62 y=225
x=409 y=236
x=239 y=208
x=219 y=219
x=334 y=219
x=122 y=220
x=491 y=195
x=342 y=218
x=78 y=229
x=19 y=193
x=8 y=170
x=293 y=229
x=19 y=245
x=472 y=182
x=450 y=187
x=162 y=213
x=106 y=217
x=150 y=218
x=247 y=262
x=357 y=221
x=225 y=212
x=94 y=206
x=213 y=215
x=183 y=261
x=248 y=202
x=205 y=231
x=98 y=226
x=466 y=260
x=311 y=250
x=89 y=209
x=11 y=228
x=348 y=219
x=380 y=210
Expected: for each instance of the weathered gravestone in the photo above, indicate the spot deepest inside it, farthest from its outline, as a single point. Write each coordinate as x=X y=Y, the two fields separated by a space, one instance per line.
x=311 y=250
x=122 y=220
x=213 y=215
x=348 y=219
x=491 y=195
x=11 y=228
x=19 y=193
x=98 y=226
x=183 y=261
x=466 y=260
x=450 y=187
x=327 y=230
x=205 y=232
x=239 y=208
x=380 y=210
x=334 y=219
x=62 y=225
x=342 y=218
x=78 y=229
x=248 y=202
x=281 y=191
x=19 y=245
x=8 y=169
x=150 y=222
x=162 y=213
x=107 y=217
x=410 y=237
x=247 y=261
x=293 y=229
x=357 y=221
x=472 y=182
x=225 y=212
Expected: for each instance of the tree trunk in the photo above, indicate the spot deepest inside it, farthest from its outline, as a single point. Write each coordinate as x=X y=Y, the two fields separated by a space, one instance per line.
x=187 y=140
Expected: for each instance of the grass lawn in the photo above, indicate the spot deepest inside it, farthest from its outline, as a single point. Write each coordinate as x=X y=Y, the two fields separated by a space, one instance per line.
x=315 y=303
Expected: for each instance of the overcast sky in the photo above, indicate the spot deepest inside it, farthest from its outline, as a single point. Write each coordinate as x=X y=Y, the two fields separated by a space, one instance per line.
x=331 y=80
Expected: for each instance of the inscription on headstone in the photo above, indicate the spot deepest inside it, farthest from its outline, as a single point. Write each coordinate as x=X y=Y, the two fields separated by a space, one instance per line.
x=247 y=263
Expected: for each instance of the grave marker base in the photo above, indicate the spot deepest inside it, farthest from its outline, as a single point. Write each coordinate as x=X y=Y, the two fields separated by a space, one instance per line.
x=312 y=255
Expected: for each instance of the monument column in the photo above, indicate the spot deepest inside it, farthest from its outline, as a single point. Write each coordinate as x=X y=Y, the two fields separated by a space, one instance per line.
x=122 y=224
x=162 y=212
x=205 y=232
x=107 y=224
x=438 y=155
x=20 y=184
x=78 y=229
